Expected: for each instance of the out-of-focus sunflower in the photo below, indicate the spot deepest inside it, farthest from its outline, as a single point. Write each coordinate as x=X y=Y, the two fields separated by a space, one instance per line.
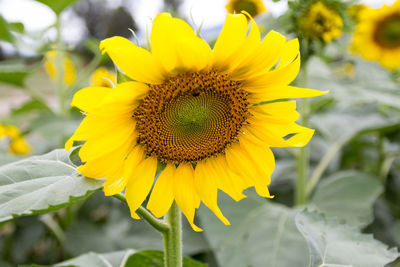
x=102 y=77
x=377 y=35
x=51 y=68
x=253 y=7
x=17 y=143
x=320 y=21
x=208 y=116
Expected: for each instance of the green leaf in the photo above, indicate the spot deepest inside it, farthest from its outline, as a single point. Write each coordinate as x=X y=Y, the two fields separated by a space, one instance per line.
x=349 y=196
x=125 y=258
x=14 y=73
x=122 y=77
x=34 y=104
x=41 y=184
x=334 y=244
x=261 y=232
x=155 y=258
x=57 y=6
x=16 y=27
x=5 y=34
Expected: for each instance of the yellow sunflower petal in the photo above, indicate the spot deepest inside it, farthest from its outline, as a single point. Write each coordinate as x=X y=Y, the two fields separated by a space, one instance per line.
x=176 y=45
x=116 y=184
x=162 y=196
x=140 y=180
x=185 y=193
x=232 y=36
x=207 y=189
x=289 y=53
x=286 y=92
x=136 y=62
x=263 y=158
x=88 y=98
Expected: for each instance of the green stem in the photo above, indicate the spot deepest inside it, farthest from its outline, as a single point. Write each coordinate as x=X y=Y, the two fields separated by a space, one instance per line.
x=159 y=225
x=60 y=69
x=302 y=159
x=173 y=238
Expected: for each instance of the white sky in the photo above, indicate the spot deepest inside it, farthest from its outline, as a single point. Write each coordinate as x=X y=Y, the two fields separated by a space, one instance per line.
x=37 y=16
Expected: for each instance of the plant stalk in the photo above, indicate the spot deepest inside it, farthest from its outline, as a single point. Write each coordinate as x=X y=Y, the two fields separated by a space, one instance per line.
x=173 y=238
x=302 y=159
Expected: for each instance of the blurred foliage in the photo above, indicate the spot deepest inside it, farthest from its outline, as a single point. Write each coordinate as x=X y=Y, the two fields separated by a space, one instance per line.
x=354 y=189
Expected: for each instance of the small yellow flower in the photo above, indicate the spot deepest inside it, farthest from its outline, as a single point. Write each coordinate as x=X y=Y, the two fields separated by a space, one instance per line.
x=51 y=68
x=194 y=110
x=377 y=35
x=321 y=22
x=253 y=7
x=18 y=145
x=102 y=77
x=346 y=70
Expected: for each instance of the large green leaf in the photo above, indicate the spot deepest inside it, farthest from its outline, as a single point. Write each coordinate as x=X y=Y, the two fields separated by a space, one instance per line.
x=14 y=73
x=5 y=34
x=334 y=244
x=261 y=232
x=41 y=184
x=57 y=6
x=125 y=258
x=349 y=196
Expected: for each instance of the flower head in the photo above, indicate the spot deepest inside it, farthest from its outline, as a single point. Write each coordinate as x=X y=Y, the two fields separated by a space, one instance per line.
x=253 y=7
x=377 y=35
x=354 y=11
x=102 y=77
x=197 y=112
x=320 y=21
x=17 y=143
x=51 y=68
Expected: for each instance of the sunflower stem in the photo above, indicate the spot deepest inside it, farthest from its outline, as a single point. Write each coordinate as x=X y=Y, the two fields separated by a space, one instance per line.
x=173 y=238
x=302 y=159
x=157 y=224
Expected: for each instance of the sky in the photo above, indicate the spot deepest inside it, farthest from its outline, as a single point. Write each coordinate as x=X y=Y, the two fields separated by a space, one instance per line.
x=37 y=16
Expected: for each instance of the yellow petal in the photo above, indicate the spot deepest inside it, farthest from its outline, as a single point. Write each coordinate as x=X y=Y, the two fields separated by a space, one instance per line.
x=289 y=53
x=232 y=36
x=263 y=58
x=286 y=92
x=278 y=112
x=135 y=62
x=140 y=180
x=227 y=180
x=88 y=98
x=185 y=193
x=264 y=160
x=207 y=189
x=96 y=147
x=162 y=196
x=176 y=46
x=116 y=184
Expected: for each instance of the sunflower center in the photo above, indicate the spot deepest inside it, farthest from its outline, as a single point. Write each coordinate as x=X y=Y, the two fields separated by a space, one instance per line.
x=388 y=32
x=247 y=6
x=191 y=117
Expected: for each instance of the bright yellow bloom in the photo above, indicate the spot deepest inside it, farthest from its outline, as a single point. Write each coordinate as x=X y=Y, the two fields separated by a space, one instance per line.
x=253 y=7
x=18 y=145
x=51 y=68
x=377 y=35
x=321 y=22
x=102 y=77
x=194 y=110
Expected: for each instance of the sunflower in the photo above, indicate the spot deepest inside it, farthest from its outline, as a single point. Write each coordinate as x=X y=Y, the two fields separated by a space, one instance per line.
x=51 y=69
x=18 y=144
x=102 y=77
x=321 y=22
x=377 y=35
x=354 y=11
x=253 y=7
x=196 y=112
